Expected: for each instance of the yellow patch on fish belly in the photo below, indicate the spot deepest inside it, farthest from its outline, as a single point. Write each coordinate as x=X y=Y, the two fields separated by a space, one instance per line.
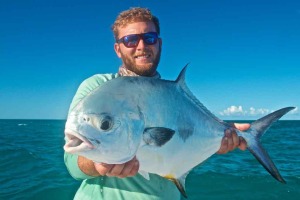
x=169 y=176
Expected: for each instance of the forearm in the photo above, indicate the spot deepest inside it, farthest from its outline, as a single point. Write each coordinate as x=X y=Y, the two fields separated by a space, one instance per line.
x=71 y=162
x=87 y=166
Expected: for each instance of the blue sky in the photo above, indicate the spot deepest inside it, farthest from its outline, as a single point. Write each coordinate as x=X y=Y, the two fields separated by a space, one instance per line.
x=244 y=55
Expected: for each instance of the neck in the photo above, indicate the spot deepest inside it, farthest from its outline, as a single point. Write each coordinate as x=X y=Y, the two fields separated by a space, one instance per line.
x=123 y=71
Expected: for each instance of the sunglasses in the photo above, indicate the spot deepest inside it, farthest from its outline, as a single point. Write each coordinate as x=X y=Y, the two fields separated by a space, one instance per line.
x=131 y=41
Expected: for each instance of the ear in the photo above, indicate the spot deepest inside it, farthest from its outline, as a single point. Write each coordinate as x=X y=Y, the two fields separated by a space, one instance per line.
x=160 y=41
x=117 y=49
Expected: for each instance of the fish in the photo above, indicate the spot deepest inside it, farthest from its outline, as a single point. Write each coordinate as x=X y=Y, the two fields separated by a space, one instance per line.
x=161 y=122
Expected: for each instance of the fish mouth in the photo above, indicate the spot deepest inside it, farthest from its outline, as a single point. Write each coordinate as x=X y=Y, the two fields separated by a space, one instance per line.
x=76 y=142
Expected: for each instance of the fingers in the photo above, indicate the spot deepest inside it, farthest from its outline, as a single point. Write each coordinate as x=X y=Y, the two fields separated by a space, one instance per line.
x=224 y=145
x=116 y=170
x=241 y=127
x=243 y=144
x=127 y=169
x=235 y=140
x=103 y=168
x=130 y=169
x=231 y=140
x=135 y=168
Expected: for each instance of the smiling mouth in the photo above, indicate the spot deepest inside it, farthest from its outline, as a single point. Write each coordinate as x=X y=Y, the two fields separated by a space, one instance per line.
x=144 y=56
x=76 y=142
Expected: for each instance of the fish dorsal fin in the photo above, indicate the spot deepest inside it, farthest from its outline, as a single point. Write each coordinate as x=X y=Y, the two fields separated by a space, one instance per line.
x=181 y=77
x=181 y=83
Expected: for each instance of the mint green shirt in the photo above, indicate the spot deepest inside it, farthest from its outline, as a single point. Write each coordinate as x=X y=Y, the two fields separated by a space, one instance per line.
x=113 y=188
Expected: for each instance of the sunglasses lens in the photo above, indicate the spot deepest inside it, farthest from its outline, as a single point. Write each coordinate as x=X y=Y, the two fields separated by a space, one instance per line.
x=131 y=40
x=150 y=38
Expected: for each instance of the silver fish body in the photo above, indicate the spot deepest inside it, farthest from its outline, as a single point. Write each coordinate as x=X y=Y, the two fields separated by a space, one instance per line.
x=159 y=121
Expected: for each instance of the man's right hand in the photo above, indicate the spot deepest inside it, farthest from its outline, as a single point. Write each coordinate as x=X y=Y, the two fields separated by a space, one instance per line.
x=127 y=169
x=91 y=168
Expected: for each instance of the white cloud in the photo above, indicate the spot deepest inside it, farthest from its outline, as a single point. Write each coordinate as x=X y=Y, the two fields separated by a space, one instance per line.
x=258 y=111
x=240 y=111
x=254 y=113
x=233 y=110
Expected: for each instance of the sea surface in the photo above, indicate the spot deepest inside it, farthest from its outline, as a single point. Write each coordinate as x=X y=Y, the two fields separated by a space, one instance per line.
x=32 y=165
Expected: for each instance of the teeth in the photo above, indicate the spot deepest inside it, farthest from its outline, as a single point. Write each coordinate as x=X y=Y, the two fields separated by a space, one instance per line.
x=143 y=56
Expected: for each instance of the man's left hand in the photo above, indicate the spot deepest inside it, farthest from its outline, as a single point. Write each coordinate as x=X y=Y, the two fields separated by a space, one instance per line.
x=231 y=140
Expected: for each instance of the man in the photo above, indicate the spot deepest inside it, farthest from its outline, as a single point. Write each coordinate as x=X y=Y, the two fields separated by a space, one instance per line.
x=139 y=47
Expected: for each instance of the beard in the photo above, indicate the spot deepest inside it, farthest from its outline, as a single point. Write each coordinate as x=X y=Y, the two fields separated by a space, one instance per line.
x=147 y=69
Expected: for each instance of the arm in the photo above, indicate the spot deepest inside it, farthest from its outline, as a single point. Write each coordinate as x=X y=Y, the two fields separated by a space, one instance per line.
x=231 y=140
x=90 y=168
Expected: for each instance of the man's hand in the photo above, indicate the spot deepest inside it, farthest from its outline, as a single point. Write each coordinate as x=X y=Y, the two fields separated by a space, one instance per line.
x=127 y=169
x=231 y=140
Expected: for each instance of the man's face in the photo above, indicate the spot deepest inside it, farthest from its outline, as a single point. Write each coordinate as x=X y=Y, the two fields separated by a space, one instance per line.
x=142 y=59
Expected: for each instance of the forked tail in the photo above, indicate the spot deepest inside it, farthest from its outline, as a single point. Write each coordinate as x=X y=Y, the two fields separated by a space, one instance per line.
x=257 y=129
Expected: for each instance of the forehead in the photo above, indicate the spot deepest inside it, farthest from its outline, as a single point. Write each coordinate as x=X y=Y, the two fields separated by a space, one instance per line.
x=136 y=28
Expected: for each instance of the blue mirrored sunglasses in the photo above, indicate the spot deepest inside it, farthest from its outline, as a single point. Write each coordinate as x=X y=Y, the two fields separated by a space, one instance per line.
x=131 y=41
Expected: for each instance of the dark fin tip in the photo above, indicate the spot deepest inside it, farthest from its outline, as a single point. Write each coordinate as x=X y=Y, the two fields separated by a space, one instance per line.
x=259 y=127
x=181 y=76
x=179 y=186
x=157 y=136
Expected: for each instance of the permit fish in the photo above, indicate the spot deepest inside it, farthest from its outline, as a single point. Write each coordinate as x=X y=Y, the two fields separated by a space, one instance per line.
x=160 y=122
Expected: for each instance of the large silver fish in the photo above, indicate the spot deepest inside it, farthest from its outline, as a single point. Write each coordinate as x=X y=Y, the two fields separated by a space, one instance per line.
x=159 y=121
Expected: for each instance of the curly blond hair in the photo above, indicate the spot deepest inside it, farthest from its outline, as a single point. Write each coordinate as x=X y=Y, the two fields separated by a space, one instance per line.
x=134 y=15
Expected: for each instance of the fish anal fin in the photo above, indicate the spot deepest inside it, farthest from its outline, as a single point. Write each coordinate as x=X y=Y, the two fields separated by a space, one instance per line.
x=179 y=184
x=157 y=136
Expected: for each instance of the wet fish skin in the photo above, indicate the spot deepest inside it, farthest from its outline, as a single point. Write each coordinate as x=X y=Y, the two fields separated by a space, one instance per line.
x=159 y=121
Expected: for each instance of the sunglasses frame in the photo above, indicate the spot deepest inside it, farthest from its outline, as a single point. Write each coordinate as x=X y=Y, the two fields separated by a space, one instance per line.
x=140 y=36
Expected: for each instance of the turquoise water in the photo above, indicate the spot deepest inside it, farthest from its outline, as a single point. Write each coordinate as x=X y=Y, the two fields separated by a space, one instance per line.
x=32 y=165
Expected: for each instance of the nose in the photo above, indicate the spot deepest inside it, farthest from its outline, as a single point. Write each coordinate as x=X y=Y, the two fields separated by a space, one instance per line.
x=141 y=44
x=85 y=118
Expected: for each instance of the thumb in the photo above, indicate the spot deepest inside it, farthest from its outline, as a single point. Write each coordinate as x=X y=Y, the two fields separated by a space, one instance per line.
x=242 y=127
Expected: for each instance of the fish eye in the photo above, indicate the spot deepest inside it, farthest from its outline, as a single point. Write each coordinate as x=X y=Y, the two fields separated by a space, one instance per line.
x=106 y=123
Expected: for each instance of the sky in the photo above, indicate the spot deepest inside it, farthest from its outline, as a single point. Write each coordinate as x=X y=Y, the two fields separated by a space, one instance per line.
x=244 y=56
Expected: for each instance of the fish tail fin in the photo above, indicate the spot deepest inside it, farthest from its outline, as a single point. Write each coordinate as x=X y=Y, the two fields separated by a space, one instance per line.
x=257 y=129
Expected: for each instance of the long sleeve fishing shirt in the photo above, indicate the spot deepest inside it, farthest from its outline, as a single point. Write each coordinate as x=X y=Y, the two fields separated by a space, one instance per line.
x=113 y=188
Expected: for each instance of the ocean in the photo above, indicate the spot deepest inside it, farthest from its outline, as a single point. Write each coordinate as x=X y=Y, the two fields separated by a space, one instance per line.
x=32 y=165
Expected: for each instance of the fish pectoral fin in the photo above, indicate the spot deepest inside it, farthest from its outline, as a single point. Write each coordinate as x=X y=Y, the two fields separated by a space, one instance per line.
x=144 y=174
x=157 y=136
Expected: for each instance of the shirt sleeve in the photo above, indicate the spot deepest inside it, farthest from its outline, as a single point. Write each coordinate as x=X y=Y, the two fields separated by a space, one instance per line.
x=84 y=89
